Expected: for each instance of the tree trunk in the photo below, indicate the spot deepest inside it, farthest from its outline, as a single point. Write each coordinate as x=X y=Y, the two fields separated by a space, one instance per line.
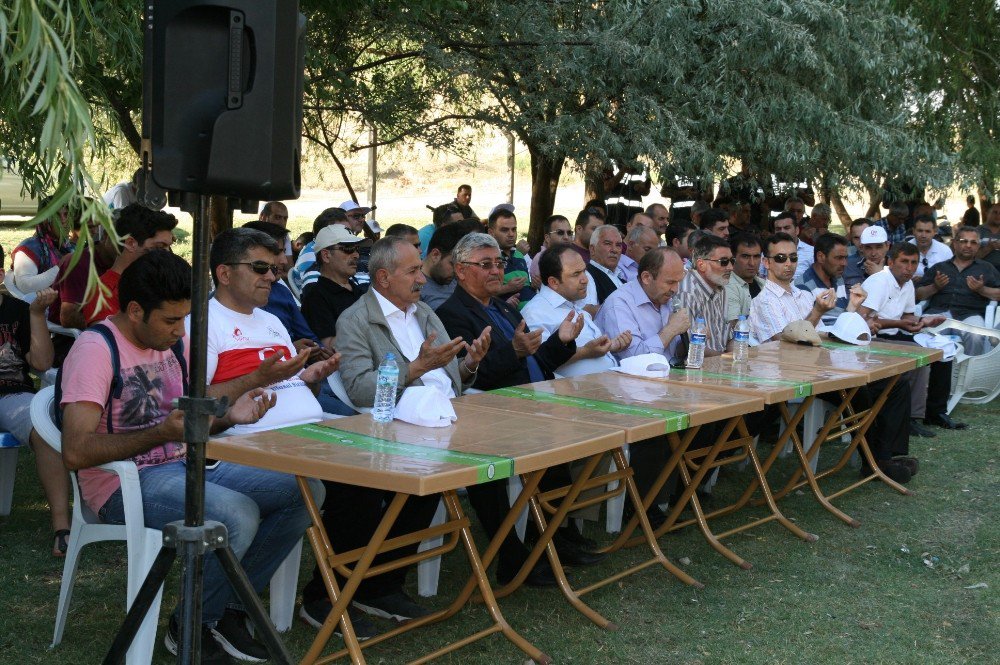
x=220 y=215
x=874 y=201
x=832 y=197
x=545 y=172
x=593 y=182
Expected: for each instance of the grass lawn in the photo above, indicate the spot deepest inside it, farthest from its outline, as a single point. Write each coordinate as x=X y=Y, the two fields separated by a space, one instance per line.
x=895 y=590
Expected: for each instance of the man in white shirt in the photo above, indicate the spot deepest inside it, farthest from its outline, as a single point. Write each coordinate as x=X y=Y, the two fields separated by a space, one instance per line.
x=124 y=193
x=785 y=223
x=931 y=251
x=564 y=280
x=779 y=302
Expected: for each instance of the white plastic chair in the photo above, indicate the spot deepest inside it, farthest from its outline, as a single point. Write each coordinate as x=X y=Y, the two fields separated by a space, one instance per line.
x=978 y=375
x=142 y=543
x=8 y=470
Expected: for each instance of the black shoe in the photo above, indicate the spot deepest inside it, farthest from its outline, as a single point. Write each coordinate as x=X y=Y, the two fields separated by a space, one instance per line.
x=916 y=429
x=397 y=606
x=570 y=534
x=571 y=554
x=911 y=463
x=540 y=577
x=315 y=612
x=656 y=517
x=211 y=651
x=896 y=470
x=232 y=635
x=944 y=421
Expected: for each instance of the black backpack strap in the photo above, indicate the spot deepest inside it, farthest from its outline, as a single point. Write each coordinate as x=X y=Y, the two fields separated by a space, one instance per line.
x=178 y=349
x=117 y=385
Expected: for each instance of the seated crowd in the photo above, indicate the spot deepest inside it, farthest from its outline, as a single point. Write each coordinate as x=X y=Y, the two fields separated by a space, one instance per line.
x=462 y=305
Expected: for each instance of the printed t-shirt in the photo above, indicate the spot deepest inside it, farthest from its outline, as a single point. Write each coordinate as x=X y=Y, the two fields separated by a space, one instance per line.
x=151 y=380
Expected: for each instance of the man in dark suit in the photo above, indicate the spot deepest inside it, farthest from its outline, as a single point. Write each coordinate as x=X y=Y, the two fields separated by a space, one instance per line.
x=516 y=355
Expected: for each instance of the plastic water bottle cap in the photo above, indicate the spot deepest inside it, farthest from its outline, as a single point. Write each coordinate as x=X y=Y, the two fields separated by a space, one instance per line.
x=390 y=356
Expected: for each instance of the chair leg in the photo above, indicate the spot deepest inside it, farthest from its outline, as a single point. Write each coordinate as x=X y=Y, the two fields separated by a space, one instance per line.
x=429 y=570
x=141 y=556
x=284 y=583
x=8 y=468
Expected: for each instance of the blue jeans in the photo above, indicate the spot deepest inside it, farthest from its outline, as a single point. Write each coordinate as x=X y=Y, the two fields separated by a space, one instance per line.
x=262 y=510
x=331 y=403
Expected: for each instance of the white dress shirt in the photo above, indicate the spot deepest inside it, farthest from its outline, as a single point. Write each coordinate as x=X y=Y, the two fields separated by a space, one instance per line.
x=591 y=297
x=887 y=298
x=937 y=253
x=547 y=311
x=408 y=335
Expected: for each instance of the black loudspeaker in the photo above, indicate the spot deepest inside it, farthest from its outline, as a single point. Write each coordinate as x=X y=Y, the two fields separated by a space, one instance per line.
x=222 y=96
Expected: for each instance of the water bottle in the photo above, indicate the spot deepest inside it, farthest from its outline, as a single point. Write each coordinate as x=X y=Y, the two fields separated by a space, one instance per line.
x=385 y=390
x=696 y=344
x=741 y=340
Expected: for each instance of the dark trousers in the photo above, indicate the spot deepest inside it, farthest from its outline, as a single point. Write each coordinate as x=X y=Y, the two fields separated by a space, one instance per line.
x=350 y=516
x=938 y=388
x=647 y=459
x=889 y=434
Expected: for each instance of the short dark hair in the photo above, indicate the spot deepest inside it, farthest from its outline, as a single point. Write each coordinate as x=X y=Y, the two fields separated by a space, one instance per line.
x=966 y=229
x=400 y=230
x=826 y=242
x=466 y=187
x=924 y=218
x=600 y=204
x=711 y=218
x=652 y=261
x=328 y=217
x=154 y=278
x=584 y=215
x=550 y=265
x=233 y=245
x=743 y=239
x=306 y=237
x=775 y=238
x=707 y=244
x=678 y=230
x=140 y=223
x=269 y=206
x=859 y=221
x=270 y=228
x=499 y=213
x=552 y=220
x=446 y=237
x=784 y=214
x=443 y=212
x=903 y=249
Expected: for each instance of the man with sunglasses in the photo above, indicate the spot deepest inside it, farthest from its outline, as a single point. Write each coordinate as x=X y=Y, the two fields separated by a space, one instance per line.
x=557 y=232
x=139 y=230
x=786 y=222
x=702 y=292
x=334 y=290
x=780 y=303
x=962 y=287
x=931 y=251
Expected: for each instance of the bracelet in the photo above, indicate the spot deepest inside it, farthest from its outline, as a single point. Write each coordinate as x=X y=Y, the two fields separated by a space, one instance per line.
x=471 y=370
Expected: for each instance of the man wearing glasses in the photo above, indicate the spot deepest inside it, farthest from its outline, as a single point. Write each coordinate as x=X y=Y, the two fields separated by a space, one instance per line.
x=932 y=252
x=786 y=223
x=962 y=287
x=334 y=290
x=779 y=303
x=557 y=232
x=703 y=290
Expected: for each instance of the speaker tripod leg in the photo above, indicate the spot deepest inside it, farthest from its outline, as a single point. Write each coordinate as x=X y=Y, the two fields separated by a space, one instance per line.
x=140 y=606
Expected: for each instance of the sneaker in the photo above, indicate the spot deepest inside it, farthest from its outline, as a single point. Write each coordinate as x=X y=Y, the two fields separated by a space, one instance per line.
x=315 y=612
x=235 y=639
x=397 y=606
x=211 y=652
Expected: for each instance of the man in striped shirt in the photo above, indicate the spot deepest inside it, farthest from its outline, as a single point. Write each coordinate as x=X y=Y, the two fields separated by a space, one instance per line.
x=702 y=291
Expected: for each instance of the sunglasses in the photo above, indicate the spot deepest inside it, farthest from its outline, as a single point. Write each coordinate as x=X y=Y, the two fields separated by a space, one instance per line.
x=560 y=233
x=967 y=241
x=259 y=267
x=724 y=261
x=500 y=264
x=346 y=249
x=781 y=258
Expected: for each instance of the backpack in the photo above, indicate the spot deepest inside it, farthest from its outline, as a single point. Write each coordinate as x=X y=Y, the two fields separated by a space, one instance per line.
x=117 y=385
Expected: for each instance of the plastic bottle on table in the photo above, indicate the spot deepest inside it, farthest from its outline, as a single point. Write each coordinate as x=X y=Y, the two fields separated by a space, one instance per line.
x=696 y=344
x=385 y=390
x=741 y=340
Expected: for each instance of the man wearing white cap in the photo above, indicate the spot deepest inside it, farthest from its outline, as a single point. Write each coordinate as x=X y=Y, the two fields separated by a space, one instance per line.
x=870 y=258
x=334 y=290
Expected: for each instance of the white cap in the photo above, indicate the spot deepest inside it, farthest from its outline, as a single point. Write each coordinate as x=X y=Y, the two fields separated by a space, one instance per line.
x=850 y=327
x=874 y=235
x=348 y=206
x=509 y=207
x=335 y=234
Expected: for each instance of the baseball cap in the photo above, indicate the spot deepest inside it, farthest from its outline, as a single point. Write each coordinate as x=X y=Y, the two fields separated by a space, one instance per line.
x=509 y=207
x=335 y=234
x=874 y=235
x=850 y=327
x=349 y=206
x=800 y=332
